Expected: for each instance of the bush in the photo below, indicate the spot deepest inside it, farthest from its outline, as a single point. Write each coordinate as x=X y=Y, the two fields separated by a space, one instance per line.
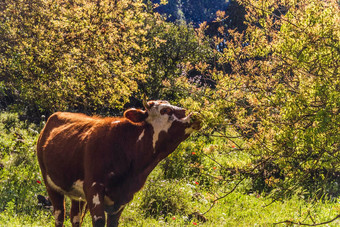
x=166 y=197
x=282 y=93
x=89 y=57
x=77 y=55
x=20 y=178
x=191 y=162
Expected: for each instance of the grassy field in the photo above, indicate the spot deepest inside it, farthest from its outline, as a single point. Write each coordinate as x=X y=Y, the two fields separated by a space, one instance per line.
x=177 y=188
x=236 y=210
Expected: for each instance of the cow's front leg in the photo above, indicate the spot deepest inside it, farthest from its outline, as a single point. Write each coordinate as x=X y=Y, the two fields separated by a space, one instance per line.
x=95 y=202
x=114 y=215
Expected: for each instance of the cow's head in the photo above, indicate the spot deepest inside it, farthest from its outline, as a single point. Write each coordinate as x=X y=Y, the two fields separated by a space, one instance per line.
x=171 y=124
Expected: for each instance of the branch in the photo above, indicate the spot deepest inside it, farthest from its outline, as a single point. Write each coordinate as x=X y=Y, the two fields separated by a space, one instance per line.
x=237 y=184
x=305 y=224
x=221 y=136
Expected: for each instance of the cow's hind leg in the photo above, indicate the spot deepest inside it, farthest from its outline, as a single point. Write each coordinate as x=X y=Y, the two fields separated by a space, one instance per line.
x=58 y=204
x=113 y=219
x=77 y=212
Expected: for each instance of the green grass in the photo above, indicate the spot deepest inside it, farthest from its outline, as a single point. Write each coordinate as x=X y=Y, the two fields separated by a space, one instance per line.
x=237 y=209
x=171 y=188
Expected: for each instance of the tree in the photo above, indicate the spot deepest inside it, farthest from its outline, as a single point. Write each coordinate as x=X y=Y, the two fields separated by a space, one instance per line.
x=73 y=55
x=282 y=95
x=91 y=57
x=174 y=50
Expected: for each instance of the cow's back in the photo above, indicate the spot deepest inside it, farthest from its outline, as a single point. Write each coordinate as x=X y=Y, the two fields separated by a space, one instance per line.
x=56 y=122
x=61 y=127
x=61 y=145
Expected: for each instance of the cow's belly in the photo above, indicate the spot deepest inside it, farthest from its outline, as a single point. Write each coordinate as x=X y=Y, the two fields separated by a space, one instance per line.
x=75 y=193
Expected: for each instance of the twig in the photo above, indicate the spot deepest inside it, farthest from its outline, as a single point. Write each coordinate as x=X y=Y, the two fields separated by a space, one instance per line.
x=305 y=224
x=221 y=136
x=237 y=184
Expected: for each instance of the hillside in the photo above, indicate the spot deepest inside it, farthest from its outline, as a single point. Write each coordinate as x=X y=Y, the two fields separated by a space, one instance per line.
x=195 y=11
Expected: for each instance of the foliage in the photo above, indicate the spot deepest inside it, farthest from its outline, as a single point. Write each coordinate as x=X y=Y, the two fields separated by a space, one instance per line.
x=205 y=162
x=268 y=93
x=282 y=94
x=79 y=55
x=19 y=174
x=173 y=52
x=90 y=57
x=164 y=197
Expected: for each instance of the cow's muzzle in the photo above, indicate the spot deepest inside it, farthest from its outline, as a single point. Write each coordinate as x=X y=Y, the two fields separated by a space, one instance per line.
x=195 y=120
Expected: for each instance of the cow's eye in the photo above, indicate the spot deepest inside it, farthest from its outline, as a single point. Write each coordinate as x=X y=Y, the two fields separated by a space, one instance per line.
x=167 y=110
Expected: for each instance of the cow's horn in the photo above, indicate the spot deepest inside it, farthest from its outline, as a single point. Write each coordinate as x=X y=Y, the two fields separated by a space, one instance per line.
x=145 y=103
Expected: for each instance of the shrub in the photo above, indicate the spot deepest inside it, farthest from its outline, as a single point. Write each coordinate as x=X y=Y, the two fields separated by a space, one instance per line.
x=166 y=197
x=87 y=56
x=190 y=162
x=282 y=92
x=78 y=55
x=19 y=173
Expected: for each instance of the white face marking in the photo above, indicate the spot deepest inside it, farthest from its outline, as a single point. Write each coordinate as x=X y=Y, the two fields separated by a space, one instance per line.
x=186 y=119
x=158 y=126
x=76 y=219
x=95 y=200
x=94 y=183
x=141 y=136
x=163 y=122
x=160 y=122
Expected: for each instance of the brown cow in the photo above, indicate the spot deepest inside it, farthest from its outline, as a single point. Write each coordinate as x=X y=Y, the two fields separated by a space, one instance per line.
x=103 y=162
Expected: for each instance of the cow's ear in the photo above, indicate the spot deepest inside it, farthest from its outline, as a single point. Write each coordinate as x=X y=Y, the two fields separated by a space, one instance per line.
x=135 y=115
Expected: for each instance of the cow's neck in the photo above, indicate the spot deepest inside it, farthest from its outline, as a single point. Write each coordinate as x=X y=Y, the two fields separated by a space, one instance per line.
x=144 y=161
x=148 y=155
x=136 y=174
x=153 y=157
x=142 y=172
